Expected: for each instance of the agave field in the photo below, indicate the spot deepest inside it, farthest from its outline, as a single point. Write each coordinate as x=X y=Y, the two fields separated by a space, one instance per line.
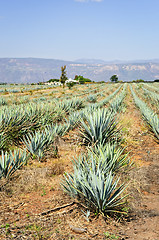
x=79 y=163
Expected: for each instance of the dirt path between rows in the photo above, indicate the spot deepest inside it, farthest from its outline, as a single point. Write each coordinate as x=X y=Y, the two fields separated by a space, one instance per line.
x=144 y=222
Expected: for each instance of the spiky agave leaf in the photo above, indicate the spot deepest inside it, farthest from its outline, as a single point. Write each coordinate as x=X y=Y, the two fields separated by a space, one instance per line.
x=38 y=142
x=3 y=141
x=97 y=192
x=73 y=104
x=58 y=129
x=11 y=161
x=98 y=128
x=110 y=156
x=93 y=182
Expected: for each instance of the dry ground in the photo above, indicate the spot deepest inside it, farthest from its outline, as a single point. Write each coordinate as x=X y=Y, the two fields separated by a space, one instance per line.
x=26 y=200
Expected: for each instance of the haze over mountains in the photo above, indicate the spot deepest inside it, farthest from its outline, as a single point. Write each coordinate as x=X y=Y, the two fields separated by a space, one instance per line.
x=33 y=70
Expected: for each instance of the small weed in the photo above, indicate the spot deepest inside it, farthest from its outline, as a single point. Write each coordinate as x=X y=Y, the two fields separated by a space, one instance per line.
x=44 y=192
x=52 y=189
x=7 y=226
x=125 y=130
x=56 y=230
x=29 y=227
x=110 y=236
x=58 y=221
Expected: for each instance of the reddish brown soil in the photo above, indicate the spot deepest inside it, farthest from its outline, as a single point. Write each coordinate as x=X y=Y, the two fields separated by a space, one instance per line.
x=36 y=189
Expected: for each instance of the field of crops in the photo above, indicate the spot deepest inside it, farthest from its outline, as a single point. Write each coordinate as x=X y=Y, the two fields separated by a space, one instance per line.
x=79 y=163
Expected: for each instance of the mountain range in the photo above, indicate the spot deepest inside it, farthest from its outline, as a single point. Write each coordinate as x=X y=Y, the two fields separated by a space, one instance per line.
x=33 y=70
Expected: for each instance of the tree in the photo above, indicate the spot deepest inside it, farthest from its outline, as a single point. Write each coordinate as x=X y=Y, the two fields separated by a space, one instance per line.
x=76 y=77
x=114 y=78
x=81 y=79
x=63 y=77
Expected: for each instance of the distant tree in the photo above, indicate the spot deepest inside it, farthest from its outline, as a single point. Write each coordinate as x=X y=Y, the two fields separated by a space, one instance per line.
x=101 y=82
x=76 y=77
x=63 y=77
x=114 y=78
x=156 y=80
x=138 y=80
x=81 y=79
x=53 y=80
x=3 y=83
x=87 y=80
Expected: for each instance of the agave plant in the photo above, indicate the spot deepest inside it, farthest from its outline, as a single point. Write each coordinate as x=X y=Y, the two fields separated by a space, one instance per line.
x=58 y=129
x=93 y=182
x=3 y=102
x=110 y=157
x=16 y=123
x=103 y=159
x=98 y=193
x=98 y=128
x=73 y=119
x=10 y=162
x=38 y=142
x=69 y=105
x=92 y=98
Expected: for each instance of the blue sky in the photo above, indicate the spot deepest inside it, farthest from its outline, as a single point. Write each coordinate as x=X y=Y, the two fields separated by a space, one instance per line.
x=73 y=29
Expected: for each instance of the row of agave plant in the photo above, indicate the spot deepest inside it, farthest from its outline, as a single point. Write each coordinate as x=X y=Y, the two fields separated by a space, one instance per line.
x=149 y=115
x=36 y=141
x=23 y=125
x=24 y=119
x=95 y=181
x=153 y=96
x=109 y=97
x=21 y=88
x=39 y=141
x=15 y=122
x=35 y=145
x=152 y=86
x=116 y=104
x=13 y=100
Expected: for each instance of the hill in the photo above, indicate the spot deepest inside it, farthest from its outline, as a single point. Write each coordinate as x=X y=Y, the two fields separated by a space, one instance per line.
x=27 y=70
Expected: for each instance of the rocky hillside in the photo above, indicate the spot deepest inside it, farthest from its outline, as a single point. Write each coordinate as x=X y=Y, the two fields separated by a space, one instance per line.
x=27 y=70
